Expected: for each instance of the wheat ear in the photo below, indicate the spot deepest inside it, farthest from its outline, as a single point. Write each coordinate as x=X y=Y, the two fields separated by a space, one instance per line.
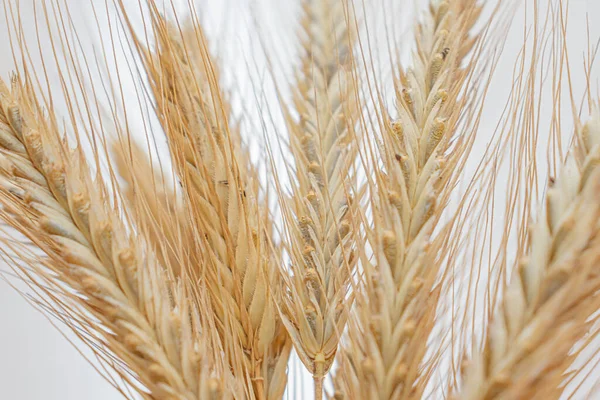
x=49 y=196
x=314 y=309
x=394 y=316
x=553 y=293
x=221 y=188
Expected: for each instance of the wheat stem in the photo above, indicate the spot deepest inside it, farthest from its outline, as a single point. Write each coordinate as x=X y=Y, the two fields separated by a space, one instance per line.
x=318 y=383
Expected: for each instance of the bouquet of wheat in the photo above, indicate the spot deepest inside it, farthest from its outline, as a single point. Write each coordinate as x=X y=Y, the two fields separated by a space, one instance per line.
x=189 y=284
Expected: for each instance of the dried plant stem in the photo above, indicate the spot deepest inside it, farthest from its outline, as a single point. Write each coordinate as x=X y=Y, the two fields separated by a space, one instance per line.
x=318 y=382
x=315 y=304
x=395 y=314
x=221 y=187
x=547 y=305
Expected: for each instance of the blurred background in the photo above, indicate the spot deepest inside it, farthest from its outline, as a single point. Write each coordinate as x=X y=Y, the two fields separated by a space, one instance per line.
x=37 y=361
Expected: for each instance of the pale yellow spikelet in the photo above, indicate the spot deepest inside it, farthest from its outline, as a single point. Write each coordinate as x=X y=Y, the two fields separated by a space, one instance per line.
x=551 y=296
x=319 y=212
x=87 y=246
x=395 y=315
x=221 y=189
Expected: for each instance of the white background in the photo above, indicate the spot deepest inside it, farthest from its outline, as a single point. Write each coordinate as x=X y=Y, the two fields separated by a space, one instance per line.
x=36 y=361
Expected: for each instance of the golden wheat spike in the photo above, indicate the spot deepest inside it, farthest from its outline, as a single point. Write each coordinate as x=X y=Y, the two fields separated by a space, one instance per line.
x=48 y=195
x=387 y=338
x=220 y=187
x=315 y=306
x=548 y=303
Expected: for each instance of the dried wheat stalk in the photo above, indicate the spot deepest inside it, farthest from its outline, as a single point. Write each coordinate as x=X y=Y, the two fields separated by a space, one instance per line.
x=221 y=188
x=551 y=296
x=387 y=341
x=49 y=196
x=318 y=213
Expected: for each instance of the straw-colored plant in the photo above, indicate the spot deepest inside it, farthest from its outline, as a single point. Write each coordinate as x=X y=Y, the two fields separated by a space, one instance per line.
x=378 y=265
